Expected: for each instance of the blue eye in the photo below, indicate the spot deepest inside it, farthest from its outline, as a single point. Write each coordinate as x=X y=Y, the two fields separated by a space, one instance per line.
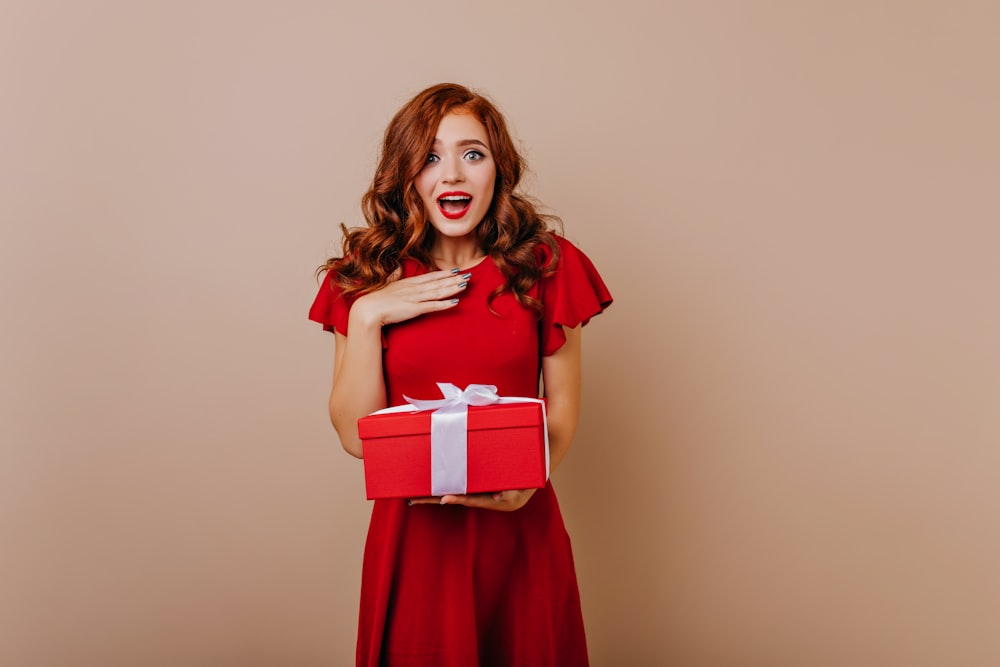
x=474 y=155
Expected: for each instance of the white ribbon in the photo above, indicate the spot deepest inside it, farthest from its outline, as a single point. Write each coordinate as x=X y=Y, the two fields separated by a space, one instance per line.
x=449 y=431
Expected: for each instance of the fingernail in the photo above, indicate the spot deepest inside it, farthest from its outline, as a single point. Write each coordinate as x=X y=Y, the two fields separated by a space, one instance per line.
x=410 y=503
x=463 y=284
x=454 y=300
x=455 y=270
x=467 y=276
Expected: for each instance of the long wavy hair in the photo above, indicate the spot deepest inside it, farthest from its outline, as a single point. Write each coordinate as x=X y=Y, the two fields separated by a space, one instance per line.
x=398 y=227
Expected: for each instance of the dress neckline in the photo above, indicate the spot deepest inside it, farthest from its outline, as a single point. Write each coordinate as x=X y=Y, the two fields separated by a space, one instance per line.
x=482 y=261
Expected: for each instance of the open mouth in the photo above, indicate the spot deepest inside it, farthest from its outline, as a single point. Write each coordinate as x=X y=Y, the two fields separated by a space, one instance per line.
x=454 y=205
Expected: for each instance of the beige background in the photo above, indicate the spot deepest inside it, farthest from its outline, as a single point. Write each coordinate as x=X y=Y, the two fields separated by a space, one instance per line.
x=789 y=455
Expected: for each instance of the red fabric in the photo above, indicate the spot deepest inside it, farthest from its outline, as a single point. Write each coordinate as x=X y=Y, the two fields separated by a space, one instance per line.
x=453 y=586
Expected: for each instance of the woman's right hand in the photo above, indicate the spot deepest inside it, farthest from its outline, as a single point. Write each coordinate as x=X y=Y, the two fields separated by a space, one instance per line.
x=406 y=298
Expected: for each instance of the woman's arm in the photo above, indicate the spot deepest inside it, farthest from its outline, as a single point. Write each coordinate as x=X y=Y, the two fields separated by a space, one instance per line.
x=358 y=387
x=561 y=376
x=358 y=383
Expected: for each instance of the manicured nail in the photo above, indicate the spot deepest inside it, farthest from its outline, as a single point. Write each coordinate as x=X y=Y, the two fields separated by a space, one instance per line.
x=467 y=276
x=463 y=284
x=455 y=270
x=454 y=300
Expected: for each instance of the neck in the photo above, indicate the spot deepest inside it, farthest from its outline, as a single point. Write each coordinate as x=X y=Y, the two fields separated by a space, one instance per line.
x=456 y=252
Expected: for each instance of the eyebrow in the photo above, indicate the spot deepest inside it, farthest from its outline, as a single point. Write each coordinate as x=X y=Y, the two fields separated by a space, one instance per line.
x=466 y=142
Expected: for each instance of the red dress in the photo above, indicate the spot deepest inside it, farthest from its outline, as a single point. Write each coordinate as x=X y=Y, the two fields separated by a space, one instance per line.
x=454 y=586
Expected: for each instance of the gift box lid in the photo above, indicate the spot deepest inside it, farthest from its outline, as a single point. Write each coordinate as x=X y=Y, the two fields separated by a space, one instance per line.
x=485 y=417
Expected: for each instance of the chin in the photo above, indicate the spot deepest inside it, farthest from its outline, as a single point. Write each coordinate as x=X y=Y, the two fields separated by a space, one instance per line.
x=454 y=229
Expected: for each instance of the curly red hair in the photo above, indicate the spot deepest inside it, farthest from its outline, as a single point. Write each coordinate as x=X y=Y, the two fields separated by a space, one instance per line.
x=397 y=222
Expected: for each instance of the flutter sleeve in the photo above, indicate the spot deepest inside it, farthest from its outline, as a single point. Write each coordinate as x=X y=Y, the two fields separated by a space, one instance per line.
x=330 y=308
x=570 y=296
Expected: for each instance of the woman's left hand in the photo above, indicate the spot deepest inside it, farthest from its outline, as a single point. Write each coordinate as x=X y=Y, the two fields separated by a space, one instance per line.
x=504 y=501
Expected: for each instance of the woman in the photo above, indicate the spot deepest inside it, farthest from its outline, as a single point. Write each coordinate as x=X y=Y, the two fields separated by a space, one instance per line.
x=458 y=279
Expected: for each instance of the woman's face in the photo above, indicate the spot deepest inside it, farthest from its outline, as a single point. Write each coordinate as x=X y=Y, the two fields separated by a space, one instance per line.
x=456 y=183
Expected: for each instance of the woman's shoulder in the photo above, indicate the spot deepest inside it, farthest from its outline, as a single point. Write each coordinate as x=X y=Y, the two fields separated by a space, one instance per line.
x=572 y=292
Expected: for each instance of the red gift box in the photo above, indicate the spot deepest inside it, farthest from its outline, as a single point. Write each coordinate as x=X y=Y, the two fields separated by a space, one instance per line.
x=506 y=450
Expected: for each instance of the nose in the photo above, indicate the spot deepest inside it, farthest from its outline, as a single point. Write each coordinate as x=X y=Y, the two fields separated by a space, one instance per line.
x=453 y=172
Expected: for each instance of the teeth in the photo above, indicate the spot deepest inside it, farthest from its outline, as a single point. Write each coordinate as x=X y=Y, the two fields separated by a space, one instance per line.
x=454 y=198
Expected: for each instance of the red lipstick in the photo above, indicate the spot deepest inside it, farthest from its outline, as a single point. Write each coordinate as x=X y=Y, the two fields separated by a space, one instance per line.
x=453 y=205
